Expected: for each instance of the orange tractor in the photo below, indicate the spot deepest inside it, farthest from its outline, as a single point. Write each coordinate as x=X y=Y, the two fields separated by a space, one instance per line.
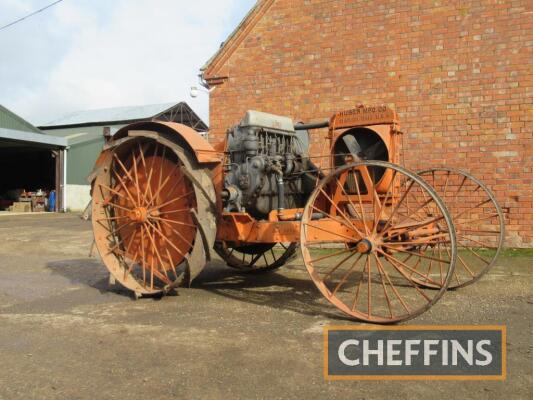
x=380 y=242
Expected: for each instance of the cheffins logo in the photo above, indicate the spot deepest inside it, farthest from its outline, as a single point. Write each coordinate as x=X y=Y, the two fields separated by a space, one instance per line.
x=415 y=352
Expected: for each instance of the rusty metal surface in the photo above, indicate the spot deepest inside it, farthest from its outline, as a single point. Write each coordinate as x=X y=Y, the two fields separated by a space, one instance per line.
x=166 y=254
x=364 y=116
x=202 y=150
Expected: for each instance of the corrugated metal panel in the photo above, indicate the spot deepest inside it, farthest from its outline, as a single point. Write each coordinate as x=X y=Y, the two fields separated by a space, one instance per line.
x=31 y=138
x=10 y=120
x=81 y=159
x=81 y=134
x=110 y=115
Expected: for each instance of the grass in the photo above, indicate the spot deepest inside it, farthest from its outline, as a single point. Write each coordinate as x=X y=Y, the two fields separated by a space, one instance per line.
x=517 y=253
x=508 y=252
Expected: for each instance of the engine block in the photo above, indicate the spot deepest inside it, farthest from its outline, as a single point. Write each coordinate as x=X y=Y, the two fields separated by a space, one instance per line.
x=266 y=167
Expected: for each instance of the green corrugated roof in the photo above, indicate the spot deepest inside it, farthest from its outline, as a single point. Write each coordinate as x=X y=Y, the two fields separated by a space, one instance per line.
x=10 y=120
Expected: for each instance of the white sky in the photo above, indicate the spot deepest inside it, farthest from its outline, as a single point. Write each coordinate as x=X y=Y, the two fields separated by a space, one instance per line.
x=86 y=54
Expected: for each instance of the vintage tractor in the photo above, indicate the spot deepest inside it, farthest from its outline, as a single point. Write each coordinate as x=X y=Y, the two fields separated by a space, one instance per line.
x=380 y=242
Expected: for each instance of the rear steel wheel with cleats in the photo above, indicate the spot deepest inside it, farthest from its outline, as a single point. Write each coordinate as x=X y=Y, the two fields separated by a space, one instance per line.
x=148 y=206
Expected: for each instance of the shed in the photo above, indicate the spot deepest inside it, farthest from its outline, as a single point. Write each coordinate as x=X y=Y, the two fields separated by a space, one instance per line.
x=30 y=161
x=83 y=131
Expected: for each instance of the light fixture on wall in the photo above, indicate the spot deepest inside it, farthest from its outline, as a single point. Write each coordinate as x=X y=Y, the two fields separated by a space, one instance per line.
x=195 y=91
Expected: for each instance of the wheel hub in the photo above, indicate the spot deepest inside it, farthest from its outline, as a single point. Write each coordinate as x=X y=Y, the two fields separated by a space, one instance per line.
x=364 y=246
x=139 y=214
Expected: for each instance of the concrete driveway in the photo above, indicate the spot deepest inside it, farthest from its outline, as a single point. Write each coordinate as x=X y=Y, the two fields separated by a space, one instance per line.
x=64 y=334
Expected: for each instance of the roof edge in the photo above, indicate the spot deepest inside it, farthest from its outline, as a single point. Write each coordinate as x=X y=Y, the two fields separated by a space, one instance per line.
x=85 y=124
x=234 y=40
x=201 y=122
x=29 y=125
x=15 y=135
x=204 y=126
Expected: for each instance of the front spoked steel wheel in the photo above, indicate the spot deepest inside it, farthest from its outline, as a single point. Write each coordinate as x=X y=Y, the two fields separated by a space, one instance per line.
x=256 y=258
x=366 y=241
x=144 y=207
x=478 y=220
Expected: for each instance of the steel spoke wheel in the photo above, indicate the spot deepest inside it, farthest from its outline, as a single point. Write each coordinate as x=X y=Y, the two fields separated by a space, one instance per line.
x=256 y=258
x=366 y=242
x=477 y=218
x=144 y=207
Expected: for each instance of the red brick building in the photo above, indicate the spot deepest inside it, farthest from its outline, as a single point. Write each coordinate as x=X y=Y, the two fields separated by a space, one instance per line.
x=458 y=73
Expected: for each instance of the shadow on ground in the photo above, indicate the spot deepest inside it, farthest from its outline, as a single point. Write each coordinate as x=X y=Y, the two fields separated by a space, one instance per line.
x=287 y=289
x=87 y=271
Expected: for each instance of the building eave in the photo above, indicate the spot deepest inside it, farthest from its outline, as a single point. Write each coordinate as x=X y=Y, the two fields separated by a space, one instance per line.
x=202 y=126
x=32 y=138
x=87 y=124
x=211 y=68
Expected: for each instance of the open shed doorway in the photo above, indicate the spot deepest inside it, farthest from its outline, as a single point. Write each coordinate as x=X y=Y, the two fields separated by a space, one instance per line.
x=32 y=174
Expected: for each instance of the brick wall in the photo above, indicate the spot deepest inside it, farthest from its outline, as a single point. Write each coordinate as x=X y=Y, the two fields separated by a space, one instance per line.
x=458 y=73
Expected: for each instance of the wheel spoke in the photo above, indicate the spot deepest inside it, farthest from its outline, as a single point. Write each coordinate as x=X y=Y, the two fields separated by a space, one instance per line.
x=340 y=211
x=465 y=266
x=397 y=207
x=347 y=196
x=345 y=277
x=473 y=241
x=176 y=211
x=154 y=247
x=384 y=286
x=382 y=205
x=163 y=236
x=413 y=253
x=172 y=201
x=330 y=255
x=143 y=253
x=455 y=217
x=117 y=230
x=109 y=203
x=477 y=255
x=339 y=264
x=121 y=181
x=394 y=262
x=171 y=221
x=361 y=208
x=369 y=290
x=112 y=190
x=395 y=291
x=162 y=185
x=131 y=266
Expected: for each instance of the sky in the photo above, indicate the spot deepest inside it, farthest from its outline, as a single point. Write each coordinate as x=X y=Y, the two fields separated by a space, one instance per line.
x=89 y=54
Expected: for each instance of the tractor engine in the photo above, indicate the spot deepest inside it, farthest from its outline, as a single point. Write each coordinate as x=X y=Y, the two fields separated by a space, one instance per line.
x=267 y=166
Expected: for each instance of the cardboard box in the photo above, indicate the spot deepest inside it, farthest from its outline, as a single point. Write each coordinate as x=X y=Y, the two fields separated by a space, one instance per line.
x=19 y=206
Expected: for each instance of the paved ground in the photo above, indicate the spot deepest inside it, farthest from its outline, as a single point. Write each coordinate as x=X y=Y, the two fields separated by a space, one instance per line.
x=65 y=335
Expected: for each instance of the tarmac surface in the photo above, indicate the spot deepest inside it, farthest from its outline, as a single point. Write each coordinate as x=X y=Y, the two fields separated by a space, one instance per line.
x=65 y=334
